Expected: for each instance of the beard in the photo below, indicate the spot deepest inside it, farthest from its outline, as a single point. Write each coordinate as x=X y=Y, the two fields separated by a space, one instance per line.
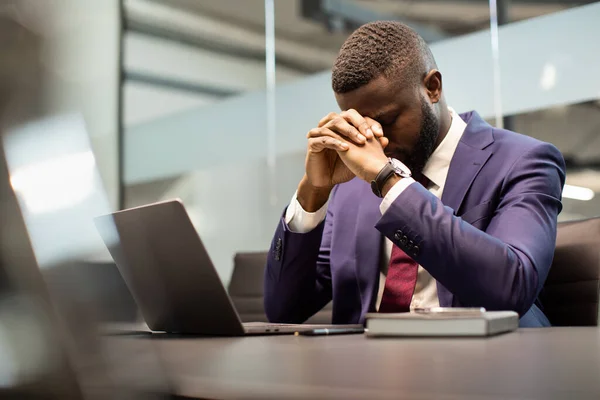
x=430 y=128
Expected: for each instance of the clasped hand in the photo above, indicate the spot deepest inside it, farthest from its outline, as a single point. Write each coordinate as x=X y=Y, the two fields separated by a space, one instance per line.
x=344 y=145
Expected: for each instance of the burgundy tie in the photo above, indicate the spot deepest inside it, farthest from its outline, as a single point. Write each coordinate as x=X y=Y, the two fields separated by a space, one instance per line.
x=401 y=278
x=400 y=282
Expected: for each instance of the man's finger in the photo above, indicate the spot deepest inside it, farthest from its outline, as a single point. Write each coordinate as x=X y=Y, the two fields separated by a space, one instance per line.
x=343 y=128
x=384 y=141
x=353 y=117
x=375 y=126
x=326 y=119
x=318 y=144
x=325 y=132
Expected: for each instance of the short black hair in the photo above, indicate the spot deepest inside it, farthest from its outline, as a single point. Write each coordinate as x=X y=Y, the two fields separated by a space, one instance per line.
x=381 y=47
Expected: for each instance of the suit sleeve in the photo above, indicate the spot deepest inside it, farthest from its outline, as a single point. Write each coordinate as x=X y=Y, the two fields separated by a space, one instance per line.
x=503 y=268
x=297 y=281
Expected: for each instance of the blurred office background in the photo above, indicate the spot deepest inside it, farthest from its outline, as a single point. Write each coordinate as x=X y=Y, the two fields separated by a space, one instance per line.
x=219 y=94
x=210 y=100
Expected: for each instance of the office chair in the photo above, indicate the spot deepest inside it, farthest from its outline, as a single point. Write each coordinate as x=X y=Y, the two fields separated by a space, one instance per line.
x=571 y=292
x=246 y=289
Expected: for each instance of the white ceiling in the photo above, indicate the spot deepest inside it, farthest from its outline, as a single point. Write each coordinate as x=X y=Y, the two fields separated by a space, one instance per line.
x=306 y=44
x=250 y=14
x=455 y=17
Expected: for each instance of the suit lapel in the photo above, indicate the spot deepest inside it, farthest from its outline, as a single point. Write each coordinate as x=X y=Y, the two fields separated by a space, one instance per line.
x=465 y=165
x=368 y=245
x=469 y=158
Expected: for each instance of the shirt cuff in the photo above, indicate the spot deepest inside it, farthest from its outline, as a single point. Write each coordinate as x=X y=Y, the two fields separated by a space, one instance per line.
x=394 y=192
x=300 y=221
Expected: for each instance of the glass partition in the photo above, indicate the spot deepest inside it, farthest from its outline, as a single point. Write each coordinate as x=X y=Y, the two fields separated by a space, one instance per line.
x=219 y=95
x=545 y=93
x=195 y=125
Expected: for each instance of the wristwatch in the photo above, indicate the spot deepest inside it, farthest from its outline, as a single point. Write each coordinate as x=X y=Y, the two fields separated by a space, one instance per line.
x=392 y=167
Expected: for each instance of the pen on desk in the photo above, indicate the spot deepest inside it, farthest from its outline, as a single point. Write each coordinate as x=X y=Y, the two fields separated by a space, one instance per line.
x=330 y=331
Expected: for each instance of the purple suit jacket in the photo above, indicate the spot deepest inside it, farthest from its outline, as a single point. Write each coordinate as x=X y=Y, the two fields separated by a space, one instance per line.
x=488 y=242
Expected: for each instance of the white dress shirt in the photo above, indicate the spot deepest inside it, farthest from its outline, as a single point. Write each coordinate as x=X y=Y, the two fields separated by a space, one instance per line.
x=436 y=170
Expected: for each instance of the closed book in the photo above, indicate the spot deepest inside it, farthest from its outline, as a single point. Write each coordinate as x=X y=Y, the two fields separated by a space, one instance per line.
x=485 y=323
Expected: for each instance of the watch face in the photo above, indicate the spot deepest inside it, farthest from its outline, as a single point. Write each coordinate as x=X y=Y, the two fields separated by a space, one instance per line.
x=399 y=167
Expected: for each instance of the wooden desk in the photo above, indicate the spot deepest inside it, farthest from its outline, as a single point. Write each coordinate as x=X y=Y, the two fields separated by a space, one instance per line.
x=547 y=363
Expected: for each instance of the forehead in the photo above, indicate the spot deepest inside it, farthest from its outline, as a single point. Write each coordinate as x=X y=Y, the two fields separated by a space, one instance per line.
x=379 y=96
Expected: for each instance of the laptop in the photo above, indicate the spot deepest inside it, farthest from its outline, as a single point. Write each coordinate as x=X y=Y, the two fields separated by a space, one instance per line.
x=171 y=276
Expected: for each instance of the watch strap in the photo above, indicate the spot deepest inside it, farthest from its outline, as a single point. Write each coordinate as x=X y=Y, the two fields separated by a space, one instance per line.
x=382 y=177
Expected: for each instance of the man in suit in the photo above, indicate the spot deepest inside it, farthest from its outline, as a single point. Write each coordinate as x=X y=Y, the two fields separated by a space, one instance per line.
x=406 y=204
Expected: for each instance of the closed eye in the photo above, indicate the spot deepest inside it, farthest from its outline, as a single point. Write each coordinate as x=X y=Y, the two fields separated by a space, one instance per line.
x=387 y=121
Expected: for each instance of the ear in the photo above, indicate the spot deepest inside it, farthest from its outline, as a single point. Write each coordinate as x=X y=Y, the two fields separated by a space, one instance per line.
x=433 y=85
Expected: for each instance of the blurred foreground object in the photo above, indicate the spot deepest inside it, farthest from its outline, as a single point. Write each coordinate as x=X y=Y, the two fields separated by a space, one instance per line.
x=49 y=191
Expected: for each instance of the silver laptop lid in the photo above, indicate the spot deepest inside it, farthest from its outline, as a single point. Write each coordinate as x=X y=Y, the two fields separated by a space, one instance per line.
x=169 y=271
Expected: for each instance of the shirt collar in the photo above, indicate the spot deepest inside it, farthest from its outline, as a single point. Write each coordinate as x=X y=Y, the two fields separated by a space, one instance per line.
x=436 y=169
